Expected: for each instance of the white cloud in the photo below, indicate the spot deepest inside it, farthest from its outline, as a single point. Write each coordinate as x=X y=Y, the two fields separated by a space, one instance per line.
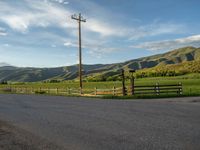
x=34 y=14
x=43 y=14
x=170 y=44
x=66 y=3
x=70 y=44
x=156 y=28
x=105 y=29
x=59 y=1
x=16 y=22
x=99 y=51
x=2 y=32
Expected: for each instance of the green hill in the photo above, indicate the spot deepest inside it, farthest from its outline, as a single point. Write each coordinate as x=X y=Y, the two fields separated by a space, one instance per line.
x=186 y=60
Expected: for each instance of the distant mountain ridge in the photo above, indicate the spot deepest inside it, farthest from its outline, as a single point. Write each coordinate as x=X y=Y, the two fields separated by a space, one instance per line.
x=97 y=71
x=2 y=64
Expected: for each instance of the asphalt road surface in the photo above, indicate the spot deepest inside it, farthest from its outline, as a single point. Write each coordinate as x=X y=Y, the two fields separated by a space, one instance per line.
x=29 y=122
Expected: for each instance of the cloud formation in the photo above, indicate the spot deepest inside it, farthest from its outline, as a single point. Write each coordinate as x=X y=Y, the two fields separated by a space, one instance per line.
x=170 y=44
x=59 y=1
x=2 y=32
x=155 y=29
x=39 y=14
x=44 y=14
x=48 y=24
x=70 y=44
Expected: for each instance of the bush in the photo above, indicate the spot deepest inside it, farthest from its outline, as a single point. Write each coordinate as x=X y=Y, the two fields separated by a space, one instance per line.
x=40 y=92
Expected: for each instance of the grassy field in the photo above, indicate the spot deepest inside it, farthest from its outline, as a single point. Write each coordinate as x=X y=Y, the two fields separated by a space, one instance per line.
x=191 y=84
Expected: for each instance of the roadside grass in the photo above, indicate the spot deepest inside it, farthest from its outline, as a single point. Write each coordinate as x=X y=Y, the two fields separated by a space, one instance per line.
x=148 y=96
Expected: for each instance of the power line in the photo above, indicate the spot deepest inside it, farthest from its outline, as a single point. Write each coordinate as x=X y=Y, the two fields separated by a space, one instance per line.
x=80 y=19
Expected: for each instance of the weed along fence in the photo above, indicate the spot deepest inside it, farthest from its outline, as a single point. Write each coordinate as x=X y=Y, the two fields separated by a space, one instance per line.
x=156 y=89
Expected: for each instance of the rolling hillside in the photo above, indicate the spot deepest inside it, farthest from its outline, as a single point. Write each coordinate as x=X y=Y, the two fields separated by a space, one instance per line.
x=188 y=56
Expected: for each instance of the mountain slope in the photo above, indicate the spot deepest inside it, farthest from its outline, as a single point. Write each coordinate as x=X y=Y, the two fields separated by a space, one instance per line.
x=99 y=71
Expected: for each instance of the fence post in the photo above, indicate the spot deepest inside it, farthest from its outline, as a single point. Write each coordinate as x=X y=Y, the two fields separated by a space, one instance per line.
x=157 y=89
x=95 y=91
x=114 y=90
x=180 y=88
x=69 y=91
x=10 y=89
x=56 y=91
x=132 y=85
x=48 y=91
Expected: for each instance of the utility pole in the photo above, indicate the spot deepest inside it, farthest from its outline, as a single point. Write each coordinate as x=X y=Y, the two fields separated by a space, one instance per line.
x=132 y=82
x=80 y=19
x=124 y=90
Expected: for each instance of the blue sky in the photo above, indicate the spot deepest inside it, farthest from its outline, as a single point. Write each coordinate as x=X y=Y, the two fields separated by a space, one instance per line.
x=41 y=33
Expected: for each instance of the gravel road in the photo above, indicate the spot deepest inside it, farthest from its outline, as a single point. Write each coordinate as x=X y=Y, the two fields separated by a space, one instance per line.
x=29 y=122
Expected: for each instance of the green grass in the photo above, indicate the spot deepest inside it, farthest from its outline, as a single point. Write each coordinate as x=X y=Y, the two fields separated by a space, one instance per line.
x=191 y=84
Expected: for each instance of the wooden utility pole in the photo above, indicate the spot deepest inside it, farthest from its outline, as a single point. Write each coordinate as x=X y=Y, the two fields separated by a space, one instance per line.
x=124 y=92
x=80 y=19
x=132 y=82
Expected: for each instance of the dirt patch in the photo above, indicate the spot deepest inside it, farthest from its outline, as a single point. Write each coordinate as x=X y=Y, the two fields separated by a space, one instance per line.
x=12 y=138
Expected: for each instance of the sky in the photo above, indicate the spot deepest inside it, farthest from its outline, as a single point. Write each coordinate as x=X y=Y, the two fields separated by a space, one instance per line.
x=41 y=33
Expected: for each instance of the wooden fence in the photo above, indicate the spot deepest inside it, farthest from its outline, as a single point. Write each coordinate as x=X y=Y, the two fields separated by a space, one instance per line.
x=114 y=91
x=30 y=90
x=61 y=91
x=158 y=89
x=138 y=90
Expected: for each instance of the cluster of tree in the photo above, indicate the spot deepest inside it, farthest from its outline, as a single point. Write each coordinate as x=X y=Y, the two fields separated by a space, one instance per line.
x=113 y=75
x=52 y=81
x=170 y=70
x=103 y=78
x=3 y=82
x=164 y=73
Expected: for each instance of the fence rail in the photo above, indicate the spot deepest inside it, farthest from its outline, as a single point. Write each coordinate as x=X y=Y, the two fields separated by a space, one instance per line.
x=158 y=89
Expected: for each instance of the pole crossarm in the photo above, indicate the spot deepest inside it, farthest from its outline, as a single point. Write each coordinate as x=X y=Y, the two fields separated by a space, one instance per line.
x=78 y=18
